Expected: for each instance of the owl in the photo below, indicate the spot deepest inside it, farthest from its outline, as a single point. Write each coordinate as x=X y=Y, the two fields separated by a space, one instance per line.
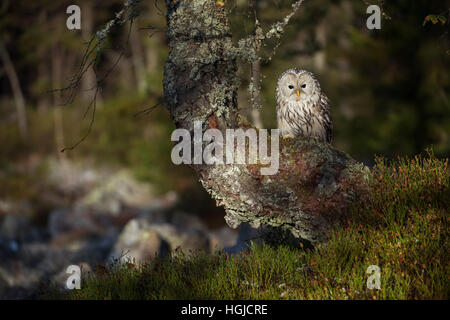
x=302 y=108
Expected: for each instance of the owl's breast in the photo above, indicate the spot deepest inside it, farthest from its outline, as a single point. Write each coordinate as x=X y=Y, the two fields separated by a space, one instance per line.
x=301 y=119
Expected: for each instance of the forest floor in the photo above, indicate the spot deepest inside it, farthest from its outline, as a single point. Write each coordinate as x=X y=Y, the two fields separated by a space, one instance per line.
x=403 y=230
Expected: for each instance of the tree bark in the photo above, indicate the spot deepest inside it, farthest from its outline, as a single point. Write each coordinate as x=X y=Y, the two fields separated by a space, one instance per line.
x=315 y=184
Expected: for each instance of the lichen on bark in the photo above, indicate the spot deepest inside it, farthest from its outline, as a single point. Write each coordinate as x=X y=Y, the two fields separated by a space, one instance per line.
x=315 y=183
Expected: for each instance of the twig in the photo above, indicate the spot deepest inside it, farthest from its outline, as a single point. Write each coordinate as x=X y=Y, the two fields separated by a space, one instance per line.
x=95 y=46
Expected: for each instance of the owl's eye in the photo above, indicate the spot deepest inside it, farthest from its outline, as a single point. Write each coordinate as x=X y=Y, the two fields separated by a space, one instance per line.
x=291 y=86
x=303 y=85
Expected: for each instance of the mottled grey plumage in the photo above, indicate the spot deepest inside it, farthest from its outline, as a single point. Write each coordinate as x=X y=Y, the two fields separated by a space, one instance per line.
x=302 y=108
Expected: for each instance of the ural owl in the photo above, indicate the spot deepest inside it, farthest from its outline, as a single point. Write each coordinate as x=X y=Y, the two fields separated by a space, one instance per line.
x=302 y=108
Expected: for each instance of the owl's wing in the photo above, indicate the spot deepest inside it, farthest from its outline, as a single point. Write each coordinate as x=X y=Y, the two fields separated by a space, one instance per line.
x=325 y=110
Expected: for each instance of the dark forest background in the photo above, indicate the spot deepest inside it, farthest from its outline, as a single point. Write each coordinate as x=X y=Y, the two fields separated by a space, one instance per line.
x=389 y=88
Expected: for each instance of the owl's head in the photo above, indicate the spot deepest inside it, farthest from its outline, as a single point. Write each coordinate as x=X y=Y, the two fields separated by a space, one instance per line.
x=296 y=85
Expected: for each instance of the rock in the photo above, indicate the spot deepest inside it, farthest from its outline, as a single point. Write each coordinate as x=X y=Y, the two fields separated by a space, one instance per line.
x=139 y=242
x=13 y=226
x=86 y=220
x=246 y=234
x=89 y=230
x=21 y=208
x=40 y=263
x=119 y=190
x=186 y=220
x=77 y=178
x=19 y=228
x=195 y=240
x=184 y=239
x=8 y=249
x=223 y=238
x=65 y=220
x=169 y=233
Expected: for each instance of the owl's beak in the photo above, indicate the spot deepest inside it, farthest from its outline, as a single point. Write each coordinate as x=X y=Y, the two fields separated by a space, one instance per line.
x=298 y=93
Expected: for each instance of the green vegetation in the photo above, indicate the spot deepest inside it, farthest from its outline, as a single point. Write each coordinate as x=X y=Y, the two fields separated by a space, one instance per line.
x=403 y=229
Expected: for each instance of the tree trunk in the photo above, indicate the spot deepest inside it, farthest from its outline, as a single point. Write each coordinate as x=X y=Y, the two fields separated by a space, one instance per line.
x=88 y=81
x=44 y=70
x=17 y=91
x=137 y=58
x=256 y=95
x=57 y=65
x=315 y=183
x=256 y=84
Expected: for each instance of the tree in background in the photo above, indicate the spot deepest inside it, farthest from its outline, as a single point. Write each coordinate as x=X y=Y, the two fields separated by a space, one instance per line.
x=389 y=87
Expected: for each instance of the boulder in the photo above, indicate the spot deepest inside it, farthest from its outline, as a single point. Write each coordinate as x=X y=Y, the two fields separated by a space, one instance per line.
x=141 y=240
x=67 y=177
x=64 y=220
x=19 y=228
x=185 y=220
x=116 y=192
x=224 y=237
x=138 y=243
x=247 y=234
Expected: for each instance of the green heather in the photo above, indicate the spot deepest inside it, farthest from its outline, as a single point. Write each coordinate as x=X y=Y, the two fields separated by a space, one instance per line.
x=403 y=229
